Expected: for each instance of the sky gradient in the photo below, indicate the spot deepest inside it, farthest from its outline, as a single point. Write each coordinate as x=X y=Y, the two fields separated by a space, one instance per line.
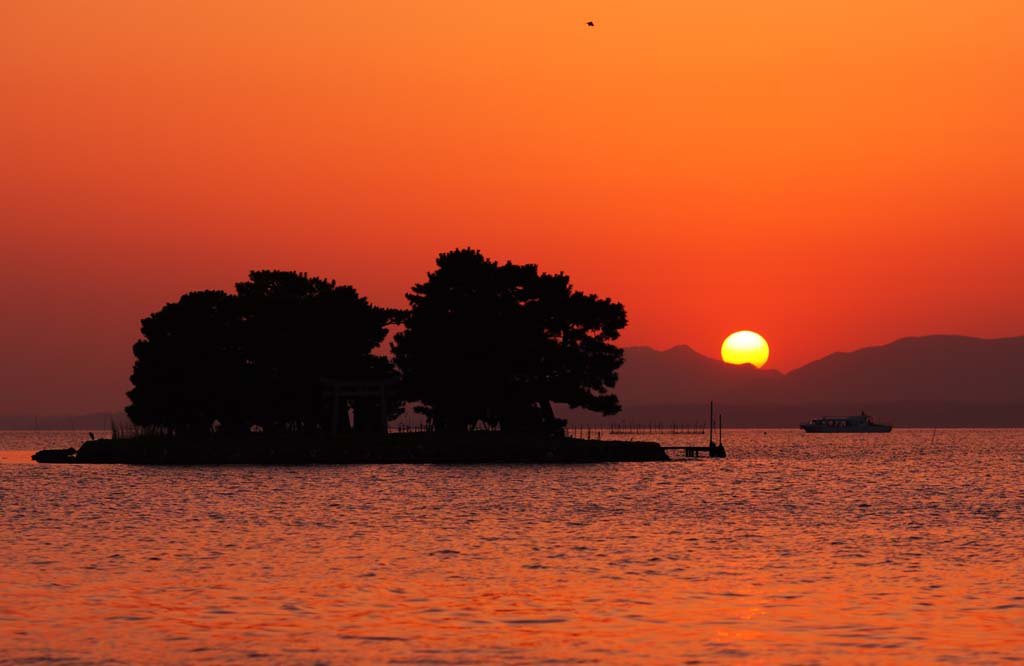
x=829 y=174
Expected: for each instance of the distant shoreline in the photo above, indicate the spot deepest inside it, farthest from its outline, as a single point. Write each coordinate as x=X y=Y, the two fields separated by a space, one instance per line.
x=741 y=414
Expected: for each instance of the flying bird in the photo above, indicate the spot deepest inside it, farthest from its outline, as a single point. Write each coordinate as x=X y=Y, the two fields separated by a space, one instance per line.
x=590 y=24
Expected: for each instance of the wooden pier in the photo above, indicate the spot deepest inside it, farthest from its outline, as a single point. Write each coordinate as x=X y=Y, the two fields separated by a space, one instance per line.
x=713 y=450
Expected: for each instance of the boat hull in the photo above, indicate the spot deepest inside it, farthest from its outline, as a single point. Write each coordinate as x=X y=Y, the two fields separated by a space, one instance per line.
x=810 y=427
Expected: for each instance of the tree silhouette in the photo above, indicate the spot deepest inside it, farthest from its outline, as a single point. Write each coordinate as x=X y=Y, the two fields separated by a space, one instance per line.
x=259 y=357
x=498 y=344
x=299 y=330
x=188 y=365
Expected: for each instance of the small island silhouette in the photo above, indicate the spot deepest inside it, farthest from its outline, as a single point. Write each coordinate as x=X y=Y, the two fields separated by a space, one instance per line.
x=287 y=370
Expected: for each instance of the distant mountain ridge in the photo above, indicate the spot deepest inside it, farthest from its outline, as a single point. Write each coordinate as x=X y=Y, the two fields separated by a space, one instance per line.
x=936 y=367
x=930 y=380
x=98 y=421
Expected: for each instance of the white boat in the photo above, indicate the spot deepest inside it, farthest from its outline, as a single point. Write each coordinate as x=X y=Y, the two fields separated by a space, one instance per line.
x=860 y=423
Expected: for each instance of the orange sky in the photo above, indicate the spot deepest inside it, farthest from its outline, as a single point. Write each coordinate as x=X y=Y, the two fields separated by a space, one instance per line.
x=830 y=174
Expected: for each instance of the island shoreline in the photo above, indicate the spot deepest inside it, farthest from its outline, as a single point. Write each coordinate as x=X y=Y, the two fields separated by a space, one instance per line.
x=399 y=448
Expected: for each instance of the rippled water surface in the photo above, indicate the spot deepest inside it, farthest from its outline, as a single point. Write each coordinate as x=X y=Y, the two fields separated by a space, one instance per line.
x=797 y=549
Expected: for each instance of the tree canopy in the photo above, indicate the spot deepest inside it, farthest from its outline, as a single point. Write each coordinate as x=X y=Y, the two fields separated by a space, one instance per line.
x=189 y=367
x=500 y=343
x=256 y=357
x=483 y=343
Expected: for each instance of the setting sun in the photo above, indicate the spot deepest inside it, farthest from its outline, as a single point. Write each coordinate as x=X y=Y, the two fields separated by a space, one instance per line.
x=745 y=347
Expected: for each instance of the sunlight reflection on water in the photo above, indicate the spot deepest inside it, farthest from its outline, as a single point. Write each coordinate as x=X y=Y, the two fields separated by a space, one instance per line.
x=796 y=549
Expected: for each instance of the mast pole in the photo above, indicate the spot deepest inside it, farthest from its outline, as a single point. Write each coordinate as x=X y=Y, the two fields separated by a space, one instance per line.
x=711 y=423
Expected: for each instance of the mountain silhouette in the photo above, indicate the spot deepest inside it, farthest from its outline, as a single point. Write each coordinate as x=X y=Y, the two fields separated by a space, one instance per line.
x=937 y=380
x=932 y=368
x=682 y=375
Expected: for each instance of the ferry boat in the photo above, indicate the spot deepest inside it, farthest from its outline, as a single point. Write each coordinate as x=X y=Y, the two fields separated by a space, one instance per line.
x=861 y=423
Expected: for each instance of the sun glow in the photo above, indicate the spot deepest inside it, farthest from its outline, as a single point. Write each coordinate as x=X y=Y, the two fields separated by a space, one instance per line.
x=745 y=347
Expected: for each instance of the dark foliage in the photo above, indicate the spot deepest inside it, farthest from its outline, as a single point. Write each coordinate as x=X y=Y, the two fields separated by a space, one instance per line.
x=189 y=365
x=498 y=344
x=258 y=357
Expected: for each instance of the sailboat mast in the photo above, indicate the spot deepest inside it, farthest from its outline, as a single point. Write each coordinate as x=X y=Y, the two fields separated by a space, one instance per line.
x=711 y=423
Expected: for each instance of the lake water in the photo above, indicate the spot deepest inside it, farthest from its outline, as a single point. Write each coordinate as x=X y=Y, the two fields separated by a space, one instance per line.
x=797 y=549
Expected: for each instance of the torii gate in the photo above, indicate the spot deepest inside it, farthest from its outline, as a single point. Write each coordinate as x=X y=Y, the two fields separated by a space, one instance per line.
x=341 y=389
